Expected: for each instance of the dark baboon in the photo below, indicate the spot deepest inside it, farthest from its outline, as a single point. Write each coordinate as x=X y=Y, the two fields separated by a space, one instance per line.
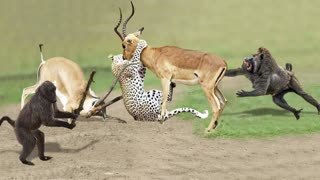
x=269 y=78
x=41 y=109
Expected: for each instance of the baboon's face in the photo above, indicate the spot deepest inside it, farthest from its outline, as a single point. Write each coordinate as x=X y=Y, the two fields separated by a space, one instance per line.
x=248 y=64
x=48 y=91
x=252 y=64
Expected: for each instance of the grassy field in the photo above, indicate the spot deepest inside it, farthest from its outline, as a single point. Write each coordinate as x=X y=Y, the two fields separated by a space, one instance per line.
x=255 y=117
x=83 y=31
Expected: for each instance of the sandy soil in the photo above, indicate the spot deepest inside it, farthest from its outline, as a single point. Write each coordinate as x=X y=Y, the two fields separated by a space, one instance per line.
x=146 y=150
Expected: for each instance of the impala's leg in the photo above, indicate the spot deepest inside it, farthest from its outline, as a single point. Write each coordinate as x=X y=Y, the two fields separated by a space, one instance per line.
x=165 y=92
x=26 y=92
x=218 y=101
x=215 y=107
x=222 y=100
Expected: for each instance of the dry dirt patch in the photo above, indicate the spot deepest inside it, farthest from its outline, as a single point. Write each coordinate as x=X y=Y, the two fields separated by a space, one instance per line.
x=146 y=150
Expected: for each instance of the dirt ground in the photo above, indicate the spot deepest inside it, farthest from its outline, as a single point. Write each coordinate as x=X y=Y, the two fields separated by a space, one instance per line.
x=148 y=150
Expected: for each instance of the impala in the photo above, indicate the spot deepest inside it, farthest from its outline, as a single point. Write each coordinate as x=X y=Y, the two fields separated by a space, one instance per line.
x=174 y=64
x=70 y=84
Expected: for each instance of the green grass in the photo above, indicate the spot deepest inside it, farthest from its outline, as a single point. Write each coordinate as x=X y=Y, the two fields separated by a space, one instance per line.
x=83 y=31
x=11 y=88
x=254 y=116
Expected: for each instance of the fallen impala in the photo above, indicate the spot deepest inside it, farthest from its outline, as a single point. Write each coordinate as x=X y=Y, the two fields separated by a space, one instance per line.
x=174 y=64
x=70 y=84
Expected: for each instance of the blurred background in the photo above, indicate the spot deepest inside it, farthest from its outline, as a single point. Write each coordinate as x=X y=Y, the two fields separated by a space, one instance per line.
x=83 y=32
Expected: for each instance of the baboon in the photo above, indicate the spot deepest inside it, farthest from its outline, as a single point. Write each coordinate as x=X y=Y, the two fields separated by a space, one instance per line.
x=268 y=77
x=41 y=109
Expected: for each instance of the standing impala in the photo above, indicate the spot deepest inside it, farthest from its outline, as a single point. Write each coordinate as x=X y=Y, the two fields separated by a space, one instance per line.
x=175 y=64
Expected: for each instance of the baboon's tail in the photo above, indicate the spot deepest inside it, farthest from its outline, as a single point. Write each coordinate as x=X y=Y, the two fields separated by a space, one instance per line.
x=10 y=121
x=193 y=111
x=289 y=67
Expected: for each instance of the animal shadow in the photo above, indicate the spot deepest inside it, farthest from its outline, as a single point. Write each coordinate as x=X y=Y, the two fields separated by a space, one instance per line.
x=265 y=111
x=54 y=147
x=99 y=119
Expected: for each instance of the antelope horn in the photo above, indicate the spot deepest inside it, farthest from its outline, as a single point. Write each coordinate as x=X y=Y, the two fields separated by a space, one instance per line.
x=114 y=83
x=124 y=27
x=116 y=28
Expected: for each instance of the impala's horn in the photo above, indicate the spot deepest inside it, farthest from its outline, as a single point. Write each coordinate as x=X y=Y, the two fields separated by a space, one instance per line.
x=124 y=27
x=116 y=28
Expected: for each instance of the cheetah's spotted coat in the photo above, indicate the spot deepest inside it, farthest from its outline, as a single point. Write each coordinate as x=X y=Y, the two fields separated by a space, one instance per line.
x=143 y=106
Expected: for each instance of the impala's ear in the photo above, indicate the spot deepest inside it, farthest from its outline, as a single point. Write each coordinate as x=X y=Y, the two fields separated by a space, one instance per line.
x=139 y=32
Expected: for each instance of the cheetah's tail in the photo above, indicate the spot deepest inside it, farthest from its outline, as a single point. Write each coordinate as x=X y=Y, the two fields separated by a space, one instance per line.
x=193 y=111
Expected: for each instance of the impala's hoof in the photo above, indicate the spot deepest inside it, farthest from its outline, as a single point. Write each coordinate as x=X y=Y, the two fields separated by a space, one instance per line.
x=207 y=130
x=161 y=121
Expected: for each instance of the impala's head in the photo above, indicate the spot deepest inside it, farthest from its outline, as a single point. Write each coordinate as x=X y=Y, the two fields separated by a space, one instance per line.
x=89 y=104
x=129 y=41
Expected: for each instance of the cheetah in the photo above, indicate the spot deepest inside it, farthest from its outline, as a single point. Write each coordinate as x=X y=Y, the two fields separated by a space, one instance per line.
x=141 y=105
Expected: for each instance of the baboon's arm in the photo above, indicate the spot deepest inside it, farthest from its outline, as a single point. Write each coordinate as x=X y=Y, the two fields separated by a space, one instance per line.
x=62 y=114
x=260 y=88
x=256 y=92
x=234 y=72
x=57 y=123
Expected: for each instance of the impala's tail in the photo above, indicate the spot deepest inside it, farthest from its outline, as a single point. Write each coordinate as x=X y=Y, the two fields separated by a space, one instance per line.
x=10 y=121
x=181 y=110
x=42 y=61
x=41 y=55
